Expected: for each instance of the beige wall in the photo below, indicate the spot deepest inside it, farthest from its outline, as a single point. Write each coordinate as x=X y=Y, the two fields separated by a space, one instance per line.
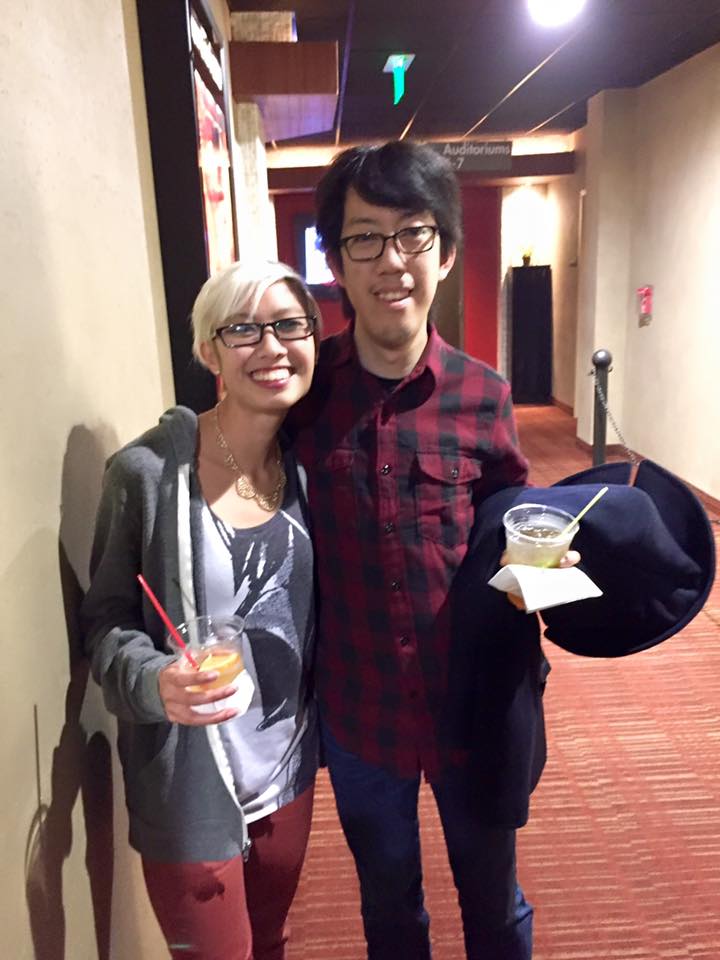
x=84 y=367
x=563 y=200
x=651 y=217
x=255 y=211
x=672 y=364
x=605 y=257
x=525 y=225
x=543 y=219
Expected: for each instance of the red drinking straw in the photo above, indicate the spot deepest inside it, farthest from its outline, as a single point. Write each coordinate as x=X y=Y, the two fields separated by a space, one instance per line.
x=166 y=620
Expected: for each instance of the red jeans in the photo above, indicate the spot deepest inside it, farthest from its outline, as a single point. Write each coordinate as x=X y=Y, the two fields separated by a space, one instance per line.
x=228 y=909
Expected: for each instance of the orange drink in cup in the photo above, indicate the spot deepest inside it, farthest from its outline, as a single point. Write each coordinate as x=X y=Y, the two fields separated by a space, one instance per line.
x=216 y=643
x=227 y=662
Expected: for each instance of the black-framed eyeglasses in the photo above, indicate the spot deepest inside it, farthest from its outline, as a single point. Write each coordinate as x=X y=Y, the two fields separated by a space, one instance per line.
x=248 y=333
x=371 y=246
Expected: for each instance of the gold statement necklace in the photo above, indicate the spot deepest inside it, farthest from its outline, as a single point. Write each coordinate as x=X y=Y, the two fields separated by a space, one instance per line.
x=243 y=484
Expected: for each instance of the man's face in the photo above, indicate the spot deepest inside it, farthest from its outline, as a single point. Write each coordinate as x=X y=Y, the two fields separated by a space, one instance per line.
x=391 y=295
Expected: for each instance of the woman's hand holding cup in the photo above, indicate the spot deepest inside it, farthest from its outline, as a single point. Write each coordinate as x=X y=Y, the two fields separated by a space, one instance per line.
x=181 y=689
x=209 y=661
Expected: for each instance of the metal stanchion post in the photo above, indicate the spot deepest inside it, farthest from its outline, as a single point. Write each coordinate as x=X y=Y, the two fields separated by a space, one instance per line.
x=601 y=362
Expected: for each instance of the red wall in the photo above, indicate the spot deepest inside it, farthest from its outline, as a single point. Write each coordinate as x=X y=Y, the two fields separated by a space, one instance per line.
x=481 y=225
x=481 y=276
x=287 y=207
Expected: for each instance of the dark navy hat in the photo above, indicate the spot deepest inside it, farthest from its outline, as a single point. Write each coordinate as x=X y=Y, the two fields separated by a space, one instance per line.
x=649 y=547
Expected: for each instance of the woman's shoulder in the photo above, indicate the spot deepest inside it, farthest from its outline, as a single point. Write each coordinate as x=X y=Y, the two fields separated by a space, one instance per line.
x=173 y=437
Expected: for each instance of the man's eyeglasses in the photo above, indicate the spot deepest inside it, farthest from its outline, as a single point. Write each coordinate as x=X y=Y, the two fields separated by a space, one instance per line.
x=370 y=246
x=247 y=334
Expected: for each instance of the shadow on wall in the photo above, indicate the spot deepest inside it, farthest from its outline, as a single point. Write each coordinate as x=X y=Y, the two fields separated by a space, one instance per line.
x=81 y=765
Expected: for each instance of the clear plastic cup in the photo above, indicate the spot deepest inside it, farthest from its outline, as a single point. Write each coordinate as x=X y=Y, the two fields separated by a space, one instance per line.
x=534 y=534
x=216 y=643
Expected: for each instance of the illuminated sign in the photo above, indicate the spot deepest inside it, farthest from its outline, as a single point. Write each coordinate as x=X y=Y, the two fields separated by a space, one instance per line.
x=474 y=155
x=397 y=64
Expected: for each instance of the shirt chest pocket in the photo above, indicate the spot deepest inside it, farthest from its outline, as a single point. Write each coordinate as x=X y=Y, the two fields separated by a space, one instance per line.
x=443 y=492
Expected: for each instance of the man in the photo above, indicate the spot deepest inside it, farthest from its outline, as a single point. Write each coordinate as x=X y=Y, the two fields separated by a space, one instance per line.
x=402 y=437
x=422 y=669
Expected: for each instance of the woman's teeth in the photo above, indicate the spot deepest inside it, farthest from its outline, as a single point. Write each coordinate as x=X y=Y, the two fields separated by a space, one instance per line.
x=283 y=374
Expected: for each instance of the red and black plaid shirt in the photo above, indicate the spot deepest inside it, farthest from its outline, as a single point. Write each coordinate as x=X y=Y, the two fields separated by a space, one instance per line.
x=392 y=480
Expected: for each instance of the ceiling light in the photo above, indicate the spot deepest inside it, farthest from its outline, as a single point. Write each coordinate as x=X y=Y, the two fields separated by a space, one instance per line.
x=553 y=13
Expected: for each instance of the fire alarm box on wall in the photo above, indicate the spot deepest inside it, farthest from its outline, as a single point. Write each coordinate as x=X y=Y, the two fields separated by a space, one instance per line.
x=645 y=304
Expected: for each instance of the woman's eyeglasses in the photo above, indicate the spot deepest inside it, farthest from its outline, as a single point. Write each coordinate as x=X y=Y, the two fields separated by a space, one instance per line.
x=247 y=334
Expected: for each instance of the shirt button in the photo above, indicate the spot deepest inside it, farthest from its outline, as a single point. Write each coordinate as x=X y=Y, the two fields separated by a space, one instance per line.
x=404 y=641
x=454 y=473
x=385 y=469
x=389 y=526
x=395 y=585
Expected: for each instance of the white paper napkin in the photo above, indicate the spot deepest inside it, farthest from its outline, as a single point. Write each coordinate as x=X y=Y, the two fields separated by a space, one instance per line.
x=542 y=587
x=240 y=700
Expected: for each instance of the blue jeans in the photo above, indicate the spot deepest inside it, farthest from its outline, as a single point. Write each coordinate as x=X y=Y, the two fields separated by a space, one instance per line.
x=379 y=817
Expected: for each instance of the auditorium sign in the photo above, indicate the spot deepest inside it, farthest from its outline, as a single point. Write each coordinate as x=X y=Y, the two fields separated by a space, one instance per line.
x=472 y=155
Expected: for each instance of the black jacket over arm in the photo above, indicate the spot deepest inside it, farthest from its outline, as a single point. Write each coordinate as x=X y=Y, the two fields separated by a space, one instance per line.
x=650 y=549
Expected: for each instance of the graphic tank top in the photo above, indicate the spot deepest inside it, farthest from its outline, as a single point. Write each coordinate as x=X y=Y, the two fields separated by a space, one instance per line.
x=265 y=575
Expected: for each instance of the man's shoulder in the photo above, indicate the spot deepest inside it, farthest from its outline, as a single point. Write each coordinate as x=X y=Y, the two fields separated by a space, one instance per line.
x=455 y=363
x=334 y=354
x=333 y=348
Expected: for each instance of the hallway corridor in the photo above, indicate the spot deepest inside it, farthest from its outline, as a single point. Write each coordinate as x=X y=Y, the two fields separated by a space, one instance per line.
x=621 y=857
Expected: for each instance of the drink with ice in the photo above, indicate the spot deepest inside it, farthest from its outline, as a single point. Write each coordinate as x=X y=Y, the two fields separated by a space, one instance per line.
x=537 y=535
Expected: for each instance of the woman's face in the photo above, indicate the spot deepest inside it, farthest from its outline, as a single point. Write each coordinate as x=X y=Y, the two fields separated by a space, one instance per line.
x=272 y=375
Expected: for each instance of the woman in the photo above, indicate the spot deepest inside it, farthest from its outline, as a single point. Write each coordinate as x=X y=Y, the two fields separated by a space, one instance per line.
x=211 y=510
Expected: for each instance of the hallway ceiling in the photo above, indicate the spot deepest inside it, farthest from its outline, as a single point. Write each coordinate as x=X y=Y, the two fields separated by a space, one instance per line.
x=482 y=68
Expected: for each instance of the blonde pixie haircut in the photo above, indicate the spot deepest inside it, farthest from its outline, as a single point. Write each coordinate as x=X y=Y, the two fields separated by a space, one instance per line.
x=239 y=288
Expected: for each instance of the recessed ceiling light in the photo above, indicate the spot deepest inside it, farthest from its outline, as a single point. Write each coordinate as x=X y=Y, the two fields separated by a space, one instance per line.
x=553 y=13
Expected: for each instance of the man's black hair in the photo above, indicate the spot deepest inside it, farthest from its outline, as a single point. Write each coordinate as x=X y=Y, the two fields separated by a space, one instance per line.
x=400 y=174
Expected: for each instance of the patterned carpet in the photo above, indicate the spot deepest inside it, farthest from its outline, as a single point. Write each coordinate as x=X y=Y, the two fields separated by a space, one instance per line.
x=621 y=857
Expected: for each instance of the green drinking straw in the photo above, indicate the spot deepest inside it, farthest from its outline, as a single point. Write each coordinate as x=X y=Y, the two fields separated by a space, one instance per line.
x=584 y=511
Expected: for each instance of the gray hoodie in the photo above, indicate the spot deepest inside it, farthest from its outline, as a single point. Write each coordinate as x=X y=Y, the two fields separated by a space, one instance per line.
x=178 y=783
